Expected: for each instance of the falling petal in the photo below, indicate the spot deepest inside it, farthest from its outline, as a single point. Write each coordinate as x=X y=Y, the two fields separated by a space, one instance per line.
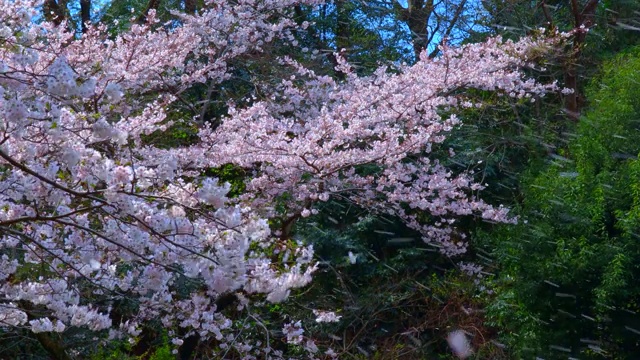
x=459 y=344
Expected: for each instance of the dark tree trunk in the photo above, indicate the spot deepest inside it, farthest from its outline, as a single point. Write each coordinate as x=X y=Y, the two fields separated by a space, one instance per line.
x=320 y=44
x=85 y=14
x=54 y=11
x=190 y=6
x=343 y=31
x=582 y=17
x=416 y=16
x=52 y=345
x=50 y=342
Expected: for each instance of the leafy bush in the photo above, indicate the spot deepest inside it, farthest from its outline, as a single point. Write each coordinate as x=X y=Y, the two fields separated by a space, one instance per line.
x=566 y=286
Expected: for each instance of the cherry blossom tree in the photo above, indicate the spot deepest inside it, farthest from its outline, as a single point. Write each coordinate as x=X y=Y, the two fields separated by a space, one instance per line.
x=309 y=141
x=91 y=214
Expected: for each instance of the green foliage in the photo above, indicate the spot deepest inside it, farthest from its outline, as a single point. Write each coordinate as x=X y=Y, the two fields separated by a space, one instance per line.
x=231 y=174
x=117 y=354
x=180 y=134
x=121 y=350
x=567 y=270
x=163 y=352
x=503 y=139
x=370 y=34
x=117 y=14
x=398 y=301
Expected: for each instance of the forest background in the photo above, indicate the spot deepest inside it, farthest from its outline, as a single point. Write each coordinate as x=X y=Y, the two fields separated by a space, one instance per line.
x=561 y=283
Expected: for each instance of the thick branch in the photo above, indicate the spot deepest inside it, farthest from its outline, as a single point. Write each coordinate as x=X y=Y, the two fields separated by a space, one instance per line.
x=46 y=218
x=545 y=11
x=27 y=170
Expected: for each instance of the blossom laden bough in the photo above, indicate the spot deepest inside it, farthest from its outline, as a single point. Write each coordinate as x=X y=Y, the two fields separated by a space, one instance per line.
x=309 y=141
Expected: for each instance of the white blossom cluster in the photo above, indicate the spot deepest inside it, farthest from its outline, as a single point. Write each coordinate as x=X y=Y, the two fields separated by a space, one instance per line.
x=308 y=141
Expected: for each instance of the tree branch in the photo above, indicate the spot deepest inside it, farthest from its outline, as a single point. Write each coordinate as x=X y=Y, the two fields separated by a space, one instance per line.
x=452 y=24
